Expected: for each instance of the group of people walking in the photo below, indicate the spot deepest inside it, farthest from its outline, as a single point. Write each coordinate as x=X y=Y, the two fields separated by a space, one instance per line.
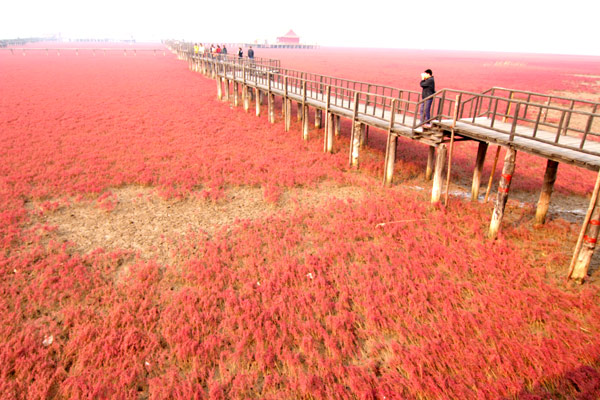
x=218 y=51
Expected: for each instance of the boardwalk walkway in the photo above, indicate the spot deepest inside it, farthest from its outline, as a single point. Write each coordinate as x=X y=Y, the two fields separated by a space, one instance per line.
x=559 y=129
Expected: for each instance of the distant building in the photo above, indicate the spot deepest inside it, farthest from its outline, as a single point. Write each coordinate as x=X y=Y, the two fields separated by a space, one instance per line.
x=289 y=38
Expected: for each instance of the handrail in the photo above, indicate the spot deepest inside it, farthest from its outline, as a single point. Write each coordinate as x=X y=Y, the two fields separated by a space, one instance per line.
x=472 y=106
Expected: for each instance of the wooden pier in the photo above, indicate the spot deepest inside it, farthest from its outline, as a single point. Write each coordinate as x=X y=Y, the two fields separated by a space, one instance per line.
x=559 y=129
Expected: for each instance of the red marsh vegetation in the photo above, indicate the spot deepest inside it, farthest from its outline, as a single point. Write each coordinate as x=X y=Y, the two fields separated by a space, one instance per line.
x=158 y=243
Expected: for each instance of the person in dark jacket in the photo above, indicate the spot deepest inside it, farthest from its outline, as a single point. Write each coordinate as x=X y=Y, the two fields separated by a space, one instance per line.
x=240 y=53
x=428 y=88
x=250 y=52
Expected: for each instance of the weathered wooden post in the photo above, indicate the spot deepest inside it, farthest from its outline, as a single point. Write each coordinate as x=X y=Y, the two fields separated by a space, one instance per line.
x=318 y=118
x=257 y=97
x=304 y=112
x=355 y=134
x=390 y=149
x=287 y=108
x=364 y=136
x=298 y=111
x=430 y=162
x=546 y=193
x=491 y=180
x=586 y=242
x=481 y=151
x=503 y=187
x=338 y=126
x=270 y=102
x=328 y=136
x=449 y=169
x=236 y=93
x=440 y=162
x=219 y=88
x=245 y=97
x=226 y=81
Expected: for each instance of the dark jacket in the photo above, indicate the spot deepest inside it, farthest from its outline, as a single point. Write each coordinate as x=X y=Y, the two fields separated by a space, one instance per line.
x=428 y=86
x=250 y=53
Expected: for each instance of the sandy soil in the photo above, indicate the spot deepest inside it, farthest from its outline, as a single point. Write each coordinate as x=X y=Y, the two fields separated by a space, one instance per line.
x=144 y=223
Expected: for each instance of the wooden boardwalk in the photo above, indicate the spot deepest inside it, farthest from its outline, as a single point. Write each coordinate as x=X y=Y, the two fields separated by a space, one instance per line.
x=559 y=129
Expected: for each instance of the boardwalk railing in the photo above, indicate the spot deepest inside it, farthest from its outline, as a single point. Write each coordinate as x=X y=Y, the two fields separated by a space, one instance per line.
x=569 y=128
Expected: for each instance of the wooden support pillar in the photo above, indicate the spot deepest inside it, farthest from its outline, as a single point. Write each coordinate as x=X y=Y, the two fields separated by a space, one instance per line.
x=304 y=112
x=318 y=118
x=586 y=242
x=305 y=122
x=481 y=152
x=338 y=126
x=357 y=127
x=245 y=98
x=355 y=135
x=503 y=187
x=257 y=93
x=547 y=187
x=328 y=139
x=430 y=163
x=288 y=114
x=271 y=107
x=364 y=137
x=236 y=93
x=584 y=257
x=226 y=81
x=298 y=111
x=329 y=133
x=390 y=159
x=287 y=106
x=219 y=88
x=438 y=174
x=261 y=96
x=390 y=149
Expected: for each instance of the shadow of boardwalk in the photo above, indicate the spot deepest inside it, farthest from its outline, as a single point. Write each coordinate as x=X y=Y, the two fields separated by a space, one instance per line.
x=582 y=383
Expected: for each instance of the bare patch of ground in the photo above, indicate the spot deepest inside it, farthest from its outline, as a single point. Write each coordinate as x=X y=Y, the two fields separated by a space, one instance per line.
x=143 y=222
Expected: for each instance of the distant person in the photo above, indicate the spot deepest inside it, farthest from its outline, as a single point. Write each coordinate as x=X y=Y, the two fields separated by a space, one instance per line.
x=196 y=49
x=240 y=53
x=250 y=53
x=201 y=50
x=224 y=50
x=428 y=85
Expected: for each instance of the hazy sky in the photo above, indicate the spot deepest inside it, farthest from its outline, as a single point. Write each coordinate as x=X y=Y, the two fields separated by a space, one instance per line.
x=566 y=27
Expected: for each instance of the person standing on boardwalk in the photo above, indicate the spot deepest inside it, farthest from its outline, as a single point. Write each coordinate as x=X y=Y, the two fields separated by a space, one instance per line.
x=250 y=53
x=240 y=52
x=224 y=51
x=428 y=89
